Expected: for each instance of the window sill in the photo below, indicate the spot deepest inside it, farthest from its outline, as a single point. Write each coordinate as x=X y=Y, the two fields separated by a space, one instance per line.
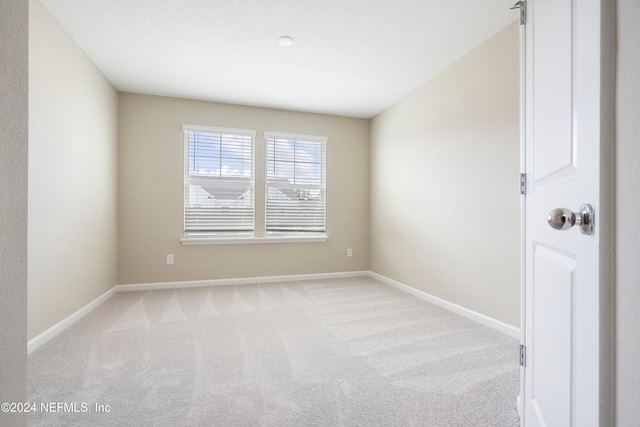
x=251 y=240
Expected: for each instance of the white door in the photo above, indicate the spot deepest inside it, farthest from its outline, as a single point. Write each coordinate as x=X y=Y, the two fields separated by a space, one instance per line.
x=567 y=290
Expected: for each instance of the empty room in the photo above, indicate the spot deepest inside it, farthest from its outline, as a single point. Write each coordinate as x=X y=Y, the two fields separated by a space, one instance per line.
x=324 y=213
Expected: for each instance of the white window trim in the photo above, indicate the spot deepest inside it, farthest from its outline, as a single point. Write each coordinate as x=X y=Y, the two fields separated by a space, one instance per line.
x=215 y=129
x=229 y=240
x=314 y=138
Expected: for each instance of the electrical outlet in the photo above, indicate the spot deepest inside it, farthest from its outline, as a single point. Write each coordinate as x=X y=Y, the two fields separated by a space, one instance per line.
x=349 y=253
x=169 y=259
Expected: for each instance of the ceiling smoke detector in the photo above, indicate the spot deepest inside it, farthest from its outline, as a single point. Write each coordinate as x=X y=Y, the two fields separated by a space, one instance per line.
x=285 y=41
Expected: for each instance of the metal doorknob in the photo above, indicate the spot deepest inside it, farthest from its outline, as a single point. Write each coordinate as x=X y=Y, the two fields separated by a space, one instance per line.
x=564 y=219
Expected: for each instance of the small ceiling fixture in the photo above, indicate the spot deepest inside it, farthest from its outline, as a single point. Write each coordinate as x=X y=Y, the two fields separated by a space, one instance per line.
x=285 y=41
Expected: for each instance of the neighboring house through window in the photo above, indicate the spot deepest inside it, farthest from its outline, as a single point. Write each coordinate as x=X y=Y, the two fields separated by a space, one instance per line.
x=296 y=184
x=219 y=181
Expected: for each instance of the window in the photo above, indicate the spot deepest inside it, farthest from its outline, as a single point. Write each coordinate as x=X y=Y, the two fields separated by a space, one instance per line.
x=218 y=181
x=296 y=188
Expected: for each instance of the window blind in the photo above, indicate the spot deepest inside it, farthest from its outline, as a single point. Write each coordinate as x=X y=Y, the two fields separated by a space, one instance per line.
x=296 y=187
x=218 y=181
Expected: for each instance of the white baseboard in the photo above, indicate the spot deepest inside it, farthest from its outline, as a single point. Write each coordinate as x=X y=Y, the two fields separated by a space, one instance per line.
x=499 y=326
x=59 y=327
x=67 y=322
x=240 y=281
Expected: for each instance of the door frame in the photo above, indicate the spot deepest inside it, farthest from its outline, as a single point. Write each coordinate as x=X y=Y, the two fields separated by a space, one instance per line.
x=604 y=219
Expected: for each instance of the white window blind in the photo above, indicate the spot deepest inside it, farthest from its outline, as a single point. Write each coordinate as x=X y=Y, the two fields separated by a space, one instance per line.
x=218 y=181
x=296 y=183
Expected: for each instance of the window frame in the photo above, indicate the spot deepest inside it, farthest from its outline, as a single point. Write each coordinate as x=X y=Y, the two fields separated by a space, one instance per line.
x=257 y=236
x=202 y=235
x=322 y=186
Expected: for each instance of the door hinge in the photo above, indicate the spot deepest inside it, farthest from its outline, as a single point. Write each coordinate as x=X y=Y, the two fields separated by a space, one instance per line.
x=522 y=5
x=523 y=355
x=523 y=183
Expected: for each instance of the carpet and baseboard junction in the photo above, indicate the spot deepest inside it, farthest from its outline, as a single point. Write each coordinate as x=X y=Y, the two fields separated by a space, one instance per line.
x=346 y=351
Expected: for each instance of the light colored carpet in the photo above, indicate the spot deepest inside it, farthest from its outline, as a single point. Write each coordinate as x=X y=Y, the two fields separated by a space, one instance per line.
x=342 y=352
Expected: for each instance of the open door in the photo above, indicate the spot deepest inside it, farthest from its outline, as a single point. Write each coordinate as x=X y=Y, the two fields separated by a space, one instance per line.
x=567 y=239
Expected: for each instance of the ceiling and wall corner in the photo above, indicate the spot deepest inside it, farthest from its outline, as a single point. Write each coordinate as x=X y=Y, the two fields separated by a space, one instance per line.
x=351 y=58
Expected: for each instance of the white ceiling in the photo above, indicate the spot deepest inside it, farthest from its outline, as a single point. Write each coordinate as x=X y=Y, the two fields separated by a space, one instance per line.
x=350 y=57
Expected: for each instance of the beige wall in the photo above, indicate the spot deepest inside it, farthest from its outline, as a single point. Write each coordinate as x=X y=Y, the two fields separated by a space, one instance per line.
x=72 y=176
x=151 y=194
x=627 y=208
x=13 y=205
x=445 y=212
